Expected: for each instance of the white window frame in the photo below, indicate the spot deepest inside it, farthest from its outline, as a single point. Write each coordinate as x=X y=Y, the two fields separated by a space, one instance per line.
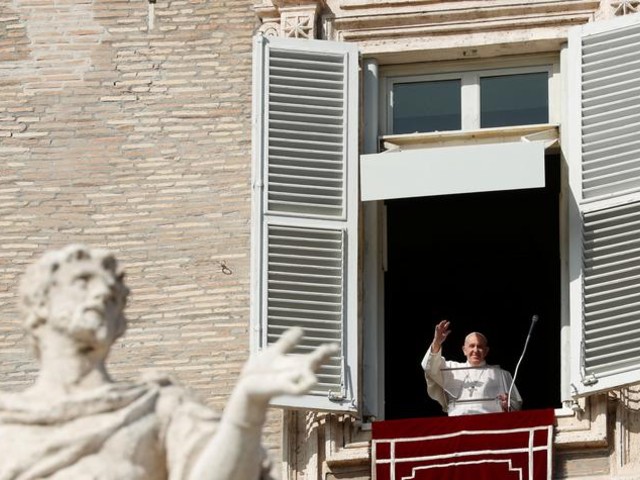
x=374 y=233
x=470 y=85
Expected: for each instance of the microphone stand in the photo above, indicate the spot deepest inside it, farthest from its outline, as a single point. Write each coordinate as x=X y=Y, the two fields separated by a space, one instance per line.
x=534 y=319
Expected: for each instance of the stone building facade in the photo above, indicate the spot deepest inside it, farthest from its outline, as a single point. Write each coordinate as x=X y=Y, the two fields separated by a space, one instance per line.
x=125 y=125
x=128 y=125
x=401 y=42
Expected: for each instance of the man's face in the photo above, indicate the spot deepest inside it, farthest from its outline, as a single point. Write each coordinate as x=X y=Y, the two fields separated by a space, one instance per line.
x=83 y=302
x=475 y=349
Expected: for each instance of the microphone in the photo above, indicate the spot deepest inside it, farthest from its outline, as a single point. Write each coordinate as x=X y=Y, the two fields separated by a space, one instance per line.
x=534 y=319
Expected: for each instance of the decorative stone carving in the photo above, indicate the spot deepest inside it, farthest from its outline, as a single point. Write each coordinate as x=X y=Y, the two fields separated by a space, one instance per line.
x=298 y=23
x=268 y=13
x=270 y=29
x=75 y=422
x=624 y=7
x=294 y=19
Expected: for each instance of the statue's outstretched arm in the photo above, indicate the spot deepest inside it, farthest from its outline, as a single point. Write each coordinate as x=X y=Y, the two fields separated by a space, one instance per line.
x=234 y=452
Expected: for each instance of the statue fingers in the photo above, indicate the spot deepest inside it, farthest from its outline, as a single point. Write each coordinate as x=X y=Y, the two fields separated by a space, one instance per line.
x=287 y=341
x=302 y=383
x=321 y=354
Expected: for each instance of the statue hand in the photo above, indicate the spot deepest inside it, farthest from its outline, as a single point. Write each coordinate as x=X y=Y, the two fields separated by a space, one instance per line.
x=272 y=372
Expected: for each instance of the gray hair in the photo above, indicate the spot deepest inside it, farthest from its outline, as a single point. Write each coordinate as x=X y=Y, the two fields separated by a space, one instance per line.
x=479 y=335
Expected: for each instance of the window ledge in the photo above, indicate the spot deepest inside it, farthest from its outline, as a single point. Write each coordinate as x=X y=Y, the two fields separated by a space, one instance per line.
x=546 y=132
x=585 y=428
x=357 y=453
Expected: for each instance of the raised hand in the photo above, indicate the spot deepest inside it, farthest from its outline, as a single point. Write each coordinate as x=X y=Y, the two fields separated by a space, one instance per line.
x=441 y=333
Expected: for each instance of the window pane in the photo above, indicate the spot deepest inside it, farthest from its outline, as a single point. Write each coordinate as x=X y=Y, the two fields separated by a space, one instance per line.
x=426 y=106
x=514 y=100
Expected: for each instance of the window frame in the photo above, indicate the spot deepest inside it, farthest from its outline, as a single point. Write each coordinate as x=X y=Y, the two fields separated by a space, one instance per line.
x=372 y=253
x=470 y=86
x=374 y=212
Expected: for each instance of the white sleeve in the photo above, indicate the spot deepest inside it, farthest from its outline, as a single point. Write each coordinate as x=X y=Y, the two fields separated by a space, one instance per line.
x=432 y=364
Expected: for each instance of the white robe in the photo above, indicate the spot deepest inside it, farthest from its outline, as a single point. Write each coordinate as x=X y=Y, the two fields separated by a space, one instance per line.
x=462 y=389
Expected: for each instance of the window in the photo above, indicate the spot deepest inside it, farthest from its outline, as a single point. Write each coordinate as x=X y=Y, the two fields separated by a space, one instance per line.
x=485 y=260
x=426 y=106
x=306 y=135
x=520 y=99
x=468 y=100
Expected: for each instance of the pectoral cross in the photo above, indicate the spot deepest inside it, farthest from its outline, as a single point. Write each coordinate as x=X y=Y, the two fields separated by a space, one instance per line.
x=473 y=383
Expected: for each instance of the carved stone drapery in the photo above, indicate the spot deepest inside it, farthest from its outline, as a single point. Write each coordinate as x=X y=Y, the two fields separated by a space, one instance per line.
x=287 y=18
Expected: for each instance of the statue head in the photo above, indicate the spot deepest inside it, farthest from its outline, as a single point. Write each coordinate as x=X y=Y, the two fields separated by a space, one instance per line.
x=78 y=292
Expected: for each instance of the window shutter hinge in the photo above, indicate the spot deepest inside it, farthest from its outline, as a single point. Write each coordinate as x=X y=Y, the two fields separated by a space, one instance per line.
x=258 y=185
x=590 y=380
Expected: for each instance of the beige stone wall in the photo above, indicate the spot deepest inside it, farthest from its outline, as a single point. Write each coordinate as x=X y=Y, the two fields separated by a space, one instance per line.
x=132 y=131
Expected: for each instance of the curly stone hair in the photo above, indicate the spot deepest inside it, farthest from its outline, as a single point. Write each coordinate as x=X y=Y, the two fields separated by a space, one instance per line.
x=41 y=275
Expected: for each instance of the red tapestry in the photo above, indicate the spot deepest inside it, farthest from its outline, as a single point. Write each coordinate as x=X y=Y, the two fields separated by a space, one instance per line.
x=514 y=445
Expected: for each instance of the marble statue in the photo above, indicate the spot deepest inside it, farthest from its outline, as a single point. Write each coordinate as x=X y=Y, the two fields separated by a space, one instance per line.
x=76 y=423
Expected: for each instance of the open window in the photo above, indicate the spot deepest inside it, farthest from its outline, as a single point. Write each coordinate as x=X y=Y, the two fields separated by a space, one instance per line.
x=486 y=261
x=470 y=191
x=305 y=242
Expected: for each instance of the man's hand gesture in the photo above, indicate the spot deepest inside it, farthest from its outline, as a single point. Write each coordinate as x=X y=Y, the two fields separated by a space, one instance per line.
x=440 y=335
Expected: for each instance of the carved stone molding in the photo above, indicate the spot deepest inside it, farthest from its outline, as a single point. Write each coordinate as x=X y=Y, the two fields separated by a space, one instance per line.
x=401 y=31
x=298 y=22
x=624 y=7
x=289 y=18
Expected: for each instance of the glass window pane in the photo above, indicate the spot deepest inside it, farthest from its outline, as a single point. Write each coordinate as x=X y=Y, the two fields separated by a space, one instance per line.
x=521 y=99
x=426 y=106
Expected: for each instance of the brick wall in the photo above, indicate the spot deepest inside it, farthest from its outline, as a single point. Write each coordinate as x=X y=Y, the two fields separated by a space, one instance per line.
x=131 y=131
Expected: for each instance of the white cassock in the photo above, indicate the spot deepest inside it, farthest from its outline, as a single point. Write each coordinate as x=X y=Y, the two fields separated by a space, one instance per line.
x=462 y=389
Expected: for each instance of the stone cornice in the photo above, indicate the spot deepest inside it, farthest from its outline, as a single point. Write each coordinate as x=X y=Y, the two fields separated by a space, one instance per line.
x=297 y=3
x=425 y=25
x=395 y=17
x=406 y=26
x=452 y=5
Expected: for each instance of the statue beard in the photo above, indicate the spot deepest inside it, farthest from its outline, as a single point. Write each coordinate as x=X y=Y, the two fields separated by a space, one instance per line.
x=89 y=325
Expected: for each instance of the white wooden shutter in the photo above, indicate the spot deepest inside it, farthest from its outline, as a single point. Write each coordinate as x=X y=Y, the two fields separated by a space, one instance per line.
x=305 y=206
x=605 y=159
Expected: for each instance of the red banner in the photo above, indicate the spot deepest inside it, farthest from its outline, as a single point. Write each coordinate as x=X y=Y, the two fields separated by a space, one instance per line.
x=514 y=445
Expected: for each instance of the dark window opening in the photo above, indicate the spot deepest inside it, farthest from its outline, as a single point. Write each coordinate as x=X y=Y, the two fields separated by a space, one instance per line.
x=487 y=262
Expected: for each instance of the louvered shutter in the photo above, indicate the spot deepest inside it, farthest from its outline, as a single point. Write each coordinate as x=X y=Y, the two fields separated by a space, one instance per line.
x=605 y=163
x=305 y=206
